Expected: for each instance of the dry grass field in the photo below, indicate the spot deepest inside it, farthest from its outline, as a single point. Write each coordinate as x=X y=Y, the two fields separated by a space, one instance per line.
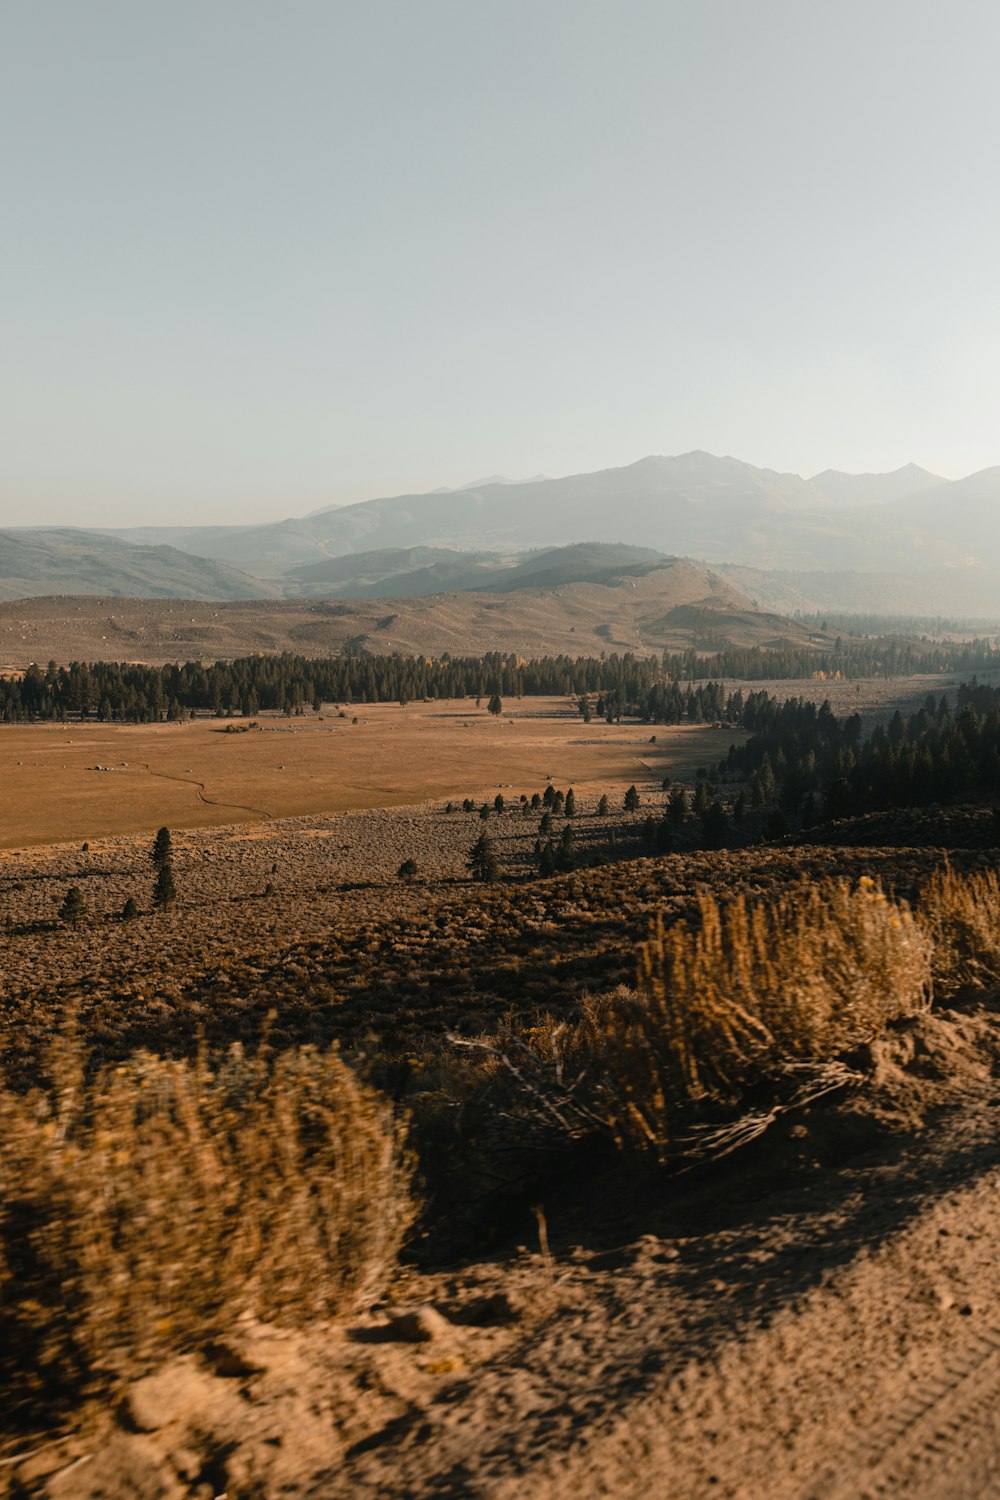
x=196 y=774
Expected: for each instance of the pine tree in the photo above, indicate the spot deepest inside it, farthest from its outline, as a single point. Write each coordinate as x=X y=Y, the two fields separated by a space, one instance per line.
x=677 y=807
x=495 y=706
x=547 y=859
x=162 y=848
x=631 y=799
x=570 y=808
x=602 y=807
x=130 y=910
x=498 y=803
x=483 y=860
x=73 y=906
x=165 y=891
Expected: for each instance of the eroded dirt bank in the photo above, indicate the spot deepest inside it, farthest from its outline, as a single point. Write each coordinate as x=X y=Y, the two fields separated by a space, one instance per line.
x=813 y=1319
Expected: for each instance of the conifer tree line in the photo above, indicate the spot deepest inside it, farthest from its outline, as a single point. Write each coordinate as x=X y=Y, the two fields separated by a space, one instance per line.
x=851 y=656
x=140 y=694
x=938 y=754
x=643 y=686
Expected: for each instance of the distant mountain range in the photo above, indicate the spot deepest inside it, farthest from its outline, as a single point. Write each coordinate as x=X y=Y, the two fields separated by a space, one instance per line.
x=66 y=561
x=907 y=525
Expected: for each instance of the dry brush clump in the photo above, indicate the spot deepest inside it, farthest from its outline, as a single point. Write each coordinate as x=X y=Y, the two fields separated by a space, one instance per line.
x=145 y=1208
x=737 y=997
x=961 y=913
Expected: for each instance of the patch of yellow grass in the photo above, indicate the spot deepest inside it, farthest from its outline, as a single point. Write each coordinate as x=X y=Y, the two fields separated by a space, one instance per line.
x=961 y=913
x=745 y=990
x=145 y=1209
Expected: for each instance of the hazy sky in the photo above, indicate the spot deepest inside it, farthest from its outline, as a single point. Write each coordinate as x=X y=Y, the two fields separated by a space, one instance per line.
x=257 y=257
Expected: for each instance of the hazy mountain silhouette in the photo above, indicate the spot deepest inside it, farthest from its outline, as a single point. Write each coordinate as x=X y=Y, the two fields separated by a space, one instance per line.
x=66 y=561
x=695 y=505
x=866 y=489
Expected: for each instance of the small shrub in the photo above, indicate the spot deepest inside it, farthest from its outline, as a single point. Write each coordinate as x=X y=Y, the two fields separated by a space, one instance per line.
x=748 y=990
x=146 y=1208
x=961 y=914
x=407 y=870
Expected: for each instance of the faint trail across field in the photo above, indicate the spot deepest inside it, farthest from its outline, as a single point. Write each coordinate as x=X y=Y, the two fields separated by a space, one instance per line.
x=199 y=787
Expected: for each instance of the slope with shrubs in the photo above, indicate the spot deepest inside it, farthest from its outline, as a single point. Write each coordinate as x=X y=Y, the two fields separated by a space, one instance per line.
x=152 y=1197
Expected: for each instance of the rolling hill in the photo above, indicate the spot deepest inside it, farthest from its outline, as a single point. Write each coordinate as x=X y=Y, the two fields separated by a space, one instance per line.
x=675 y=605
x=415 y=571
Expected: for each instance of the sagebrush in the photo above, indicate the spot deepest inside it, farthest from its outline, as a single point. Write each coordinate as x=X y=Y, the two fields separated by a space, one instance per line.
x=145 y=1208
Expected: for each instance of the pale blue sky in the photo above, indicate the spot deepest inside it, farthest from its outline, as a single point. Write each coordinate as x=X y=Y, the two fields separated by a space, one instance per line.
x=261 y=255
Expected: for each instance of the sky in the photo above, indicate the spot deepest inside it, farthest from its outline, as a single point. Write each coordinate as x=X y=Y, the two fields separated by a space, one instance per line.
x=261 y=256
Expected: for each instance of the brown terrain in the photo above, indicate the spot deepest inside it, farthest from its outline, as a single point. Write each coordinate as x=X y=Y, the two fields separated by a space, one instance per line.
x=643 y=614
x=811 y=1317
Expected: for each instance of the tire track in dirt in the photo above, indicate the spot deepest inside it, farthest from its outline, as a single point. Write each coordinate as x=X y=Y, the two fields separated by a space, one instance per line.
x=200 y=788
x=934 y=1445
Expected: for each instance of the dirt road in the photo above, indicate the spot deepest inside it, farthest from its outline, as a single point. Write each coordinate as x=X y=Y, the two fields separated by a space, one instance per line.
x=815 y=1319
x=832 y=1340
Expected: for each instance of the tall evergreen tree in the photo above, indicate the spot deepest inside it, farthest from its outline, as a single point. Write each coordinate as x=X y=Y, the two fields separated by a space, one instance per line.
x=165 y=891
x=483 y=864
x=162 y=848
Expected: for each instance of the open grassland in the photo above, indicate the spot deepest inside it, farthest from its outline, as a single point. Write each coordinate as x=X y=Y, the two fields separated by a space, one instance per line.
x=197 y=775
x=96 y=780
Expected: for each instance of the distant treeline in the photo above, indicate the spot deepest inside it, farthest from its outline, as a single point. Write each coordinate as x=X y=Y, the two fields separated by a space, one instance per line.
x=144 y=694
x=798 y=753
x=851 y=656
x=924 y=627
x=642 y=686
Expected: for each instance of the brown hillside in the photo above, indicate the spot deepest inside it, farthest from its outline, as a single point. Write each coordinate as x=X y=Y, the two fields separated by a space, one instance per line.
x=675 y=606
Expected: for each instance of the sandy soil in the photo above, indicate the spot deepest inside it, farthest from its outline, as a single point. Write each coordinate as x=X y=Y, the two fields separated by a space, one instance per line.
x=814 y=1320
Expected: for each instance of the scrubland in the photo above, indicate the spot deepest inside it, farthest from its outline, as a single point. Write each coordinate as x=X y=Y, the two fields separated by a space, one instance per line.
x=269 y=1133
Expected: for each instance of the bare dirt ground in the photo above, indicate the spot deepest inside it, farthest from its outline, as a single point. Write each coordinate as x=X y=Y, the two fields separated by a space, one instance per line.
x=814 y=1320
